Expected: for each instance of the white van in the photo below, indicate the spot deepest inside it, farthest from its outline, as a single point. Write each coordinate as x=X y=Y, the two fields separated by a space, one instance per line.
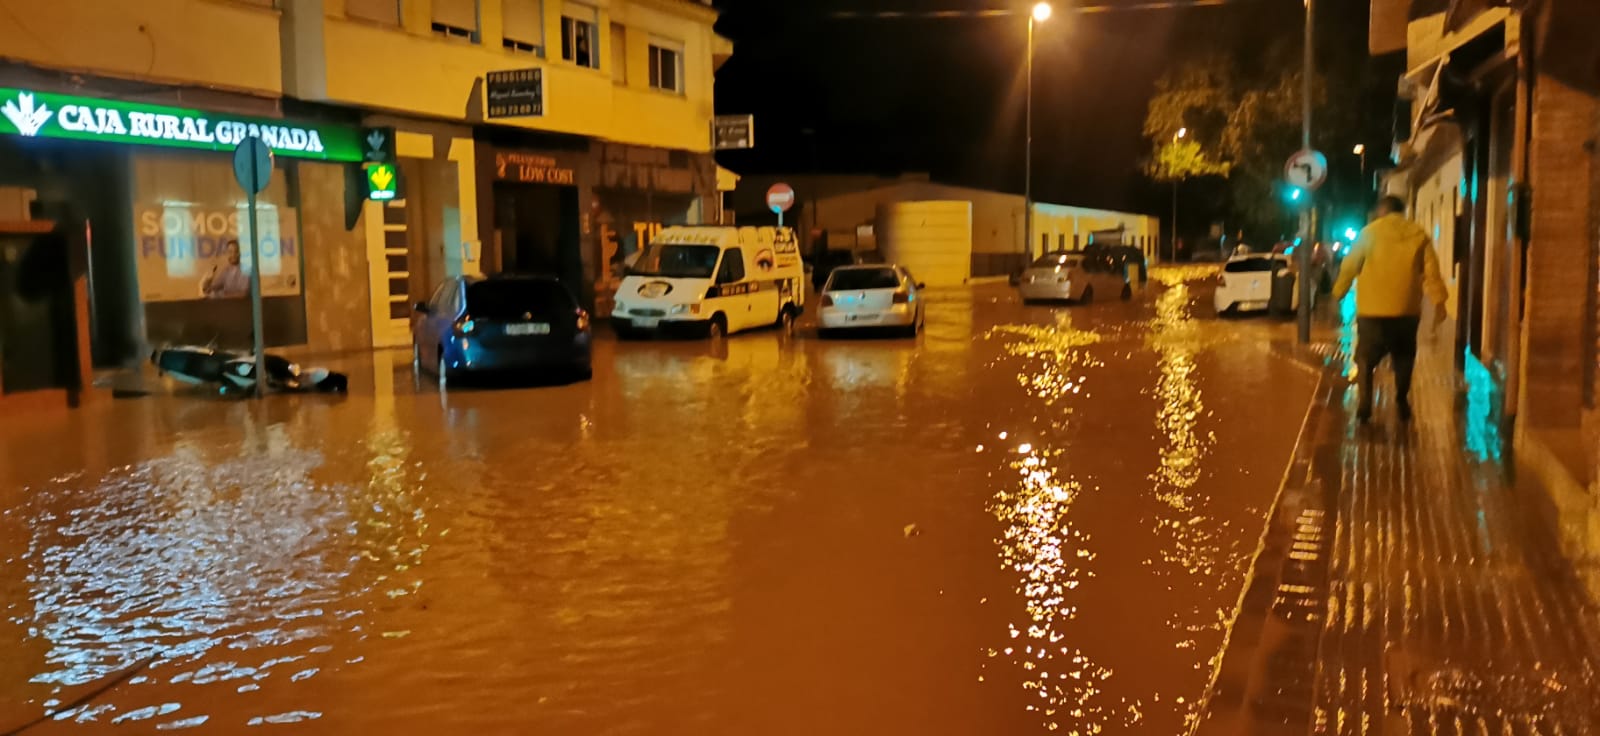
x=712 y=280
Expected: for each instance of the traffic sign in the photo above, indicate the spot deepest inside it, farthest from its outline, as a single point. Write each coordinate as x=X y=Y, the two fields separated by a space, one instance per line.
x=780 y=198
x=1306 y=169
x=252 y=164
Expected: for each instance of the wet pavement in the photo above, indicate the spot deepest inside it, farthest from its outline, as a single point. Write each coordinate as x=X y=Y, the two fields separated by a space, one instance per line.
x=1409 y=583
x=1027 y=520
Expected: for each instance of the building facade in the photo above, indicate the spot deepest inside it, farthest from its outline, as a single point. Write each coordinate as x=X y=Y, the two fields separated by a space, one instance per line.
x=617 y=146
x=861 y=219
x=1498 y=158
x=116 y=184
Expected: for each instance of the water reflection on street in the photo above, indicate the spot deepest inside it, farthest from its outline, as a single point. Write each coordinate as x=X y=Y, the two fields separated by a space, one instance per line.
x=1028 y=519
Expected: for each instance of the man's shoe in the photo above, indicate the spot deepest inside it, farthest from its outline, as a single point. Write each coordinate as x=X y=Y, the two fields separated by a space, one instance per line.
x=1404 y=410
x=1364 y=415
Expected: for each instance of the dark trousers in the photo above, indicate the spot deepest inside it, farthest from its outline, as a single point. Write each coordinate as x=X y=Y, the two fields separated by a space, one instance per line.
x=1391 y=337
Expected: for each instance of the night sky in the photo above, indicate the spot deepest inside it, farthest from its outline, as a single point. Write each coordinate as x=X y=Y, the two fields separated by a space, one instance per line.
x=946 y=96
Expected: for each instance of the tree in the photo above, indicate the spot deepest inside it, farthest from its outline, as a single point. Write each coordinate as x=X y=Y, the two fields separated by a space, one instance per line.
x=1243 y=119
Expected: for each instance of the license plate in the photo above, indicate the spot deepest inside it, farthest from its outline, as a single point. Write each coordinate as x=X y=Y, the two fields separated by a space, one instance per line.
x=529 y=328
x=864 y=318
x=1253 y=305
x=645 y=322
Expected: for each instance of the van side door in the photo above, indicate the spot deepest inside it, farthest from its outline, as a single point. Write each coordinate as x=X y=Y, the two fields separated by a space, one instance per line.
x=733 y=298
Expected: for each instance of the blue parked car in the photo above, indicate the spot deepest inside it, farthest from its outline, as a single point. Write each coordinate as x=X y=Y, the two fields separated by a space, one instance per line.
x=512 y=325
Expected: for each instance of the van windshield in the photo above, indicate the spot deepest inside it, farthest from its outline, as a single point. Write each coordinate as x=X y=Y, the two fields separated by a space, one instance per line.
x=677 y=261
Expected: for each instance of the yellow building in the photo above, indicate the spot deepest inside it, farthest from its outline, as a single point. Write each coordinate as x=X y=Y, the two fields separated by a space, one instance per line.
x=542 y=135
x=616 y=145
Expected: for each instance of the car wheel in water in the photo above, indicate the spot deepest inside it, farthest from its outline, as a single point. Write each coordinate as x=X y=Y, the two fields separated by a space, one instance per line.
x=718 y=328
x=1127 y=292
x=416 y=358
x=1088 y=295
x=442 y=370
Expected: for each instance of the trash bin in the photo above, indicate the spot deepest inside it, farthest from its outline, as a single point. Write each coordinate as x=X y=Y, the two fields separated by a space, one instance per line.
x=1283 y=286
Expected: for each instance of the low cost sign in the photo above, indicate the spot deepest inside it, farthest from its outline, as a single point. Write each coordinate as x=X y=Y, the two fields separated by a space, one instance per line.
x=44 y=115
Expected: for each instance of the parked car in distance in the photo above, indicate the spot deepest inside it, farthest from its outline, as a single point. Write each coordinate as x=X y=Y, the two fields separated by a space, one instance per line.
x=512 y=325
x=869 y=296
x=1073 y=276
x=1246 y=283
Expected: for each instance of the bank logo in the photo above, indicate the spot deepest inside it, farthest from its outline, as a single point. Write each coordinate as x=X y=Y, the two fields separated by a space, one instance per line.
x=23 y=114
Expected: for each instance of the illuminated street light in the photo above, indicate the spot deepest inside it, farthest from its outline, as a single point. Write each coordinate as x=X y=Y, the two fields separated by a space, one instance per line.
x=1041 y=13
x=1360 y=149
x=1182 y=132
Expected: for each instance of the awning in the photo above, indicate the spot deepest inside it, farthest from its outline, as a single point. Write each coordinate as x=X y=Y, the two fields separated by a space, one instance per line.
x=727 y=181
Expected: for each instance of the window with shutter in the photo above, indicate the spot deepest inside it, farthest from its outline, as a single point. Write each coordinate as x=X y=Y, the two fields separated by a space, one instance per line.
x=522 y=23
x=666 y=65
x=580 y=41
x=456 y=18
x=619 y=54
x=385 y=12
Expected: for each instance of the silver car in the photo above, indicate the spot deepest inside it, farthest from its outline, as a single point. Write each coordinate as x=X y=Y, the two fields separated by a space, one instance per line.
x=870 y=296
x=1069 y=276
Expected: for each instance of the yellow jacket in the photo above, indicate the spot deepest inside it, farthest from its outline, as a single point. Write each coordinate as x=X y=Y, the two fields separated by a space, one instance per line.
x=1395 y=262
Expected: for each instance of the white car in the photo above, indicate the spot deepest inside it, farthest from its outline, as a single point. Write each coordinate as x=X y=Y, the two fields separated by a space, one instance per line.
x=1245 y=284
x=1069 y=276
x=870 y=296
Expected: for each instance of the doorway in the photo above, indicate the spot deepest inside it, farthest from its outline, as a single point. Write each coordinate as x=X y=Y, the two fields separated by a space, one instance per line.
x=536 y=229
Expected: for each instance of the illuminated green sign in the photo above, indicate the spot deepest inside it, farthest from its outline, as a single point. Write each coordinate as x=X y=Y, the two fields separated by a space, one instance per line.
x=45 y=115
x=383 y=182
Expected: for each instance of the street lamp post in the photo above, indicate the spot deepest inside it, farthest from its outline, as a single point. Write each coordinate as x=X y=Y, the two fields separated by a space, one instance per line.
x=1172 y=254
x=1040 y=14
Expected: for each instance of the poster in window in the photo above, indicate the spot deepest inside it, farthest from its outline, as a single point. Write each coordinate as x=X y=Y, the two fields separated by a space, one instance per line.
x=187 y=251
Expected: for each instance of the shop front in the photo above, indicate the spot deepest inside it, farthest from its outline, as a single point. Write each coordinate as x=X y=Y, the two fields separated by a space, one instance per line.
x=144 y=232
x=581 y=209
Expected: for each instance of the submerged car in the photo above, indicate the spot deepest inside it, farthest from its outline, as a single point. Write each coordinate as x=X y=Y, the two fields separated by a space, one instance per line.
x=523 y=325
x=1249 y=283
x=1073 y=276
x=871 y=296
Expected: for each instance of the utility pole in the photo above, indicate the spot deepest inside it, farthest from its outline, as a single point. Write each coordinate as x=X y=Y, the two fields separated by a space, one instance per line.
x=1027 y=159
x=1308 y=236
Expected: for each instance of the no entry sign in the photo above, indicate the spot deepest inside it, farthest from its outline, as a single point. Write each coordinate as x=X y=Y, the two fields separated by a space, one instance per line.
x=780 y=198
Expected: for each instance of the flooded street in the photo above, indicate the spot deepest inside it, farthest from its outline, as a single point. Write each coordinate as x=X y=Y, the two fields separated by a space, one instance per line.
x=1029 y=519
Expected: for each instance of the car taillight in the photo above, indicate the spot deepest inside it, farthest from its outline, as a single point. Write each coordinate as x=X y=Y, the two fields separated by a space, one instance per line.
x=827 y=300
x=583 y=321
x=902 y=297
x=465 y=325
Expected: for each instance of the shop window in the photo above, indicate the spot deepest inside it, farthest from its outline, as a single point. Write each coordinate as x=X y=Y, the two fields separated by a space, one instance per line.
x=619 y=54
x=522 y=24
x=383 y=12
x=456 y=19
x=579 y=35
x=666 y=66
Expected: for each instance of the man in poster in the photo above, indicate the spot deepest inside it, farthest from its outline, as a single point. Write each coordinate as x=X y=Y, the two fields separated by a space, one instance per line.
x=230 y=282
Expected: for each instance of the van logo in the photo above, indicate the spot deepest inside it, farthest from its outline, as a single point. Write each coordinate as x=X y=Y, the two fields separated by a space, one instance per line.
x=655 y=289
x=764 y=260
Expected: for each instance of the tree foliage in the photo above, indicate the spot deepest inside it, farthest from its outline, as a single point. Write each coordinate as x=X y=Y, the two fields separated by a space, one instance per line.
x=1243 y=119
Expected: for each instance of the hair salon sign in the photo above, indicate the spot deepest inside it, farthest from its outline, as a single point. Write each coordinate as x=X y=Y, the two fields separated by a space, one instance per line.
x=44 y=115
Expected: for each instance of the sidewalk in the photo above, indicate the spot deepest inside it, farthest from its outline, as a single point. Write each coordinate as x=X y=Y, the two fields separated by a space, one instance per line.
x=1407 y=584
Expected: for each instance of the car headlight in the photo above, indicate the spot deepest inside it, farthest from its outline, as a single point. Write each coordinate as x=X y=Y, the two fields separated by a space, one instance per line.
x=619 y=308
x=678 y=309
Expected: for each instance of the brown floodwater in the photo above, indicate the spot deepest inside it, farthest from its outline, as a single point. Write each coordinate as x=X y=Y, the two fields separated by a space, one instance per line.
x=1030 y=519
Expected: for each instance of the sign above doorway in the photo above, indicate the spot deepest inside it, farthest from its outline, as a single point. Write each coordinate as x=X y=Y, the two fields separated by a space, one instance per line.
x=45 y=115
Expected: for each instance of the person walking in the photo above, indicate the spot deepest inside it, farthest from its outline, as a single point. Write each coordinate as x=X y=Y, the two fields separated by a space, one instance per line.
x=1396 y=266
